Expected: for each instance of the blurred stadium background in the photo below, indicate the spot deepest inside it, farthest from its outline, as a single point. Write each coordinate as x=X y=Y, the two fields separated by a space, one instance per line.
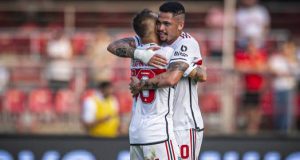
x=53 y=53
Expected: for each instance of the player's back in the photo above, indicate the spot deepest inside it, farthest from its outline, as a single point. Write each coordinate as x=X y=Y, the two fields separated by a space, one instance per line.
x=186 y=108
x=152 y=109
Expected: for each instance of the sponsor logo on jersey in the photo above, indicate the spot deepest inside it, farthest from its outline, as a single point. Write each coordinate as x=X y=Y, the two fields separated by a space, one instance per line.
x=179 y=53
x=183 y=48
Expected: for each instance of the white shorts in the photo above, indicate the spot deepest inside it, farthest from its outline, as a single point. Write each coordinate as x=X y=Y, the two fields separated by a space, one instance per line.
x=189 y=142
x=167 y=150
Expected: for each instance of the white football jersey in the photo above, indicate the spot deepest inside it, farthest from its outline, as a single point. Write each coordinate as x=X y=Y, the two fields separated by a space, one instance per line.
x=152 y=110
x=186 y=108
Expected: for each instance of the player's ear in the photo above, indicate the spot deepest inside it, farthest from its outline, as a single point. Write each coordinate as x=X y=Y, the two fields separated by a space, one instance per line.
x=180 y=22
x=180 y=26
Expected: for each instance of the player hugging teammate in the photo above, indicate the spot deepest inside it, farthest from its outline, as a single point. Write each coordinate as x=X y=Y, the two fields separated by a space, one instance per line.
x=166 y=120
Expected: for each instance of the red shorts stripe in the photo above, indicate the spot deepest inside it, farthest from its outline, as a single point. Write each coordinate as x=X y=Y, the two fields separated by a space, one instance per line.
x=194 y=143
x=191 y=144
x=172 y=150
x=167 y=150
x=195 y=138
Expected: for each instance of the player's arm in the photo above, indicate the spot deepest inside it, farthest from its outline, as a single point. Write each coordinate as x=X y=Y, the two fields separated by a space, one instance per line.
x=122 y=48
x=126 y=48
x=167 y=79
x=199 y=74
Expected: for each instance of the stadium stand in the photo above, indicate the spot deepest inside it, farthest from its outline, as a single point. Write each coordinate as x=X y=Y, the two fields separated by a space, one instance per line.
x=40 y=100
x=65 y=102
x=24 y=36
x=14 y=101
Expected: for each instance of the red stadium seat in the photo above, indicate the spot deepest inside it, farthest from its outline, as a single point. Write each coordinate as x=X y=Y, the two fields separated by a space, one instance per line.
x=6 y=43
x=125 y=101
x=40 y=100
x=209 y=102
x=22 y=45
x=121 y=71
x=14 y=101
x=65 y=102
x=79 y=43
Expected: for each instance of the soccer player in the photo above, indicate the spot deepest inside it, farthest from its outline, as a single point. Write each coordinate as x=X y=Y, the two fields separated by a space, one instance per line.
x=187 y=118
x=151 y=128
x=188 y=123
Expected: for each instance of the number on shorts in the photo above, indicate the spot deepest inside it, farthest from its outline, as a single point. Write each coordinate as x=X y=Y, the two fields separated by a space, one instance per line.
x=184 y=151
x=147 y=96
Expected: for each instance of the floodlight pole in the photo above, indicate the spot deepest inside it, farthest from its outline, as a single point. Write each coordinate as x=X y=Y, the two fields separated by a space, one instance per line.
x=228 y=116
x=69 y=18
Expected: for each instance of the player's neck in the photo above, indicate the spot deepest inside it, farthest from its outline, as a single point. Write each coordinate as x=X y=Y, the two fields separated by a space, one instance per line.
x=150 y=40
x=173 y=40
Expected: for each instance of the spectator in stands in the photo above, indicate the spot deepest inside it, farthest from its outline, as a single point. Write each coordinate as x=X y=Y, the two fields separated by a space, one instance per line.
x=97 y=53
x=284 y=66
x=252 y=22
x=100 y=112
x=59 y=71
x=214 y=22
x=252 y=65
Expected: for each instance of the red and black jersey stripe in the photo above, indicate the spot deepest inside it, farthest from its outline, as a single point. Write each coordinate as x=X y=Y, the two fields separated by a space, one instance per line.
x=185 y=35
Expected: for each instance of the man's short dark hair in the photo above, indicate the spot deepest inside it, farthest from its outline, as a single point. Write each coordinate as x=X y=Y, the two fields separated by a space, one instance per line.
x=140 y=22
x=173 y=7
x=104 y=85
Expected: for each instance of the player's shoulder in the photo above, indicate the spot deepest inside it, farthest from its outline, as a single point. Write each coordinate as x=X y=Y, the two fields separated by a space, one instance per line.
x=168 y=51
x=185 y=35
x=148 y=45
x=167 y=48
x=186 y=38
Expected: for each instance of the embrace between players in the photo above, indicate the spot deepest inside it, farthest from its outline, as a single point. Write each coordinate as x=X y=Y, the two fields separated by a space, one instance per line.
x=166 y=121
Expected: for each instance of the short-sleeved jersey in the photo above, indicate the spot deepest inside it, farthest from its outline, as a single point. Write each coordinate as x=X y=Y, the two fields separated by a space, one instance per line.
x=186 y=108
x=152 y=110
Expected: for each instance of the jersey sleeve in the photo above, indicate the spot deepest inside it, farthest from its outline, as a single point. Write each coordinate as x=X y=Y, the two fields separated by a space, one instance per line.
x=166 y=52
x=186 y=51
x=137 y=41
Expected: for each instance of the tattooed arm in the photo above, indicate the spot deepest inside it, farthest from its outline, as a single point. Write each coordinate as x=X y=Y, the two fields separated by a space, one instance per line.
x=199 y=74
x=122 y=48
x=126 y=48
x=169 y=78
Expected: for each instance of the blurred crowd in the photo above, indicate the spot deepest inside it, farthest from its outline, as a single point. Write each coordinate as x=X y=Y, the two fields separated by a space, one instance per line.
x=57 y=81
x=45 y=92
x=266 y=71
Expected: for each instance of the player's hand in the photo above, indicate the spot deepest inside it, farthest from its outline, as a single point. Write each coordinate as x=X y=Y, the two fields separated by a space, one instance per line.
x=158 y=61
x=134 y=86
x=153 y=48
